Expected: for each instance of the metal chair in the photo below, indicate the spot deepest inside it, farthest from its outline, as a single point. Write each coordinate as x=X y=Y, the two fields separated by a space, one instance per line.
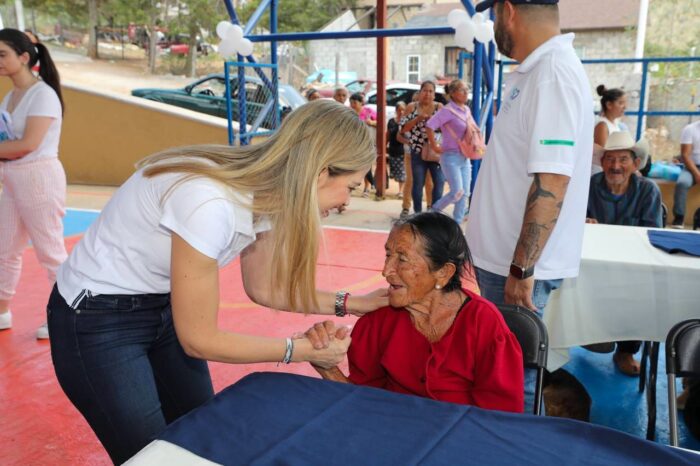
x=647 y=379
x=682 y=360
x=664 y=214
x=531 y=333
x=650 y=353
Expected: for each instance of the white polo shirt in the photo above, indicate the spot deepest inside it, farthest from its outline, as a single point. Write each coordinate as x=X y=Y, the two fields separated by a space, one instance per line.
x=127 y=249
x=544 y=125
x=691 y=135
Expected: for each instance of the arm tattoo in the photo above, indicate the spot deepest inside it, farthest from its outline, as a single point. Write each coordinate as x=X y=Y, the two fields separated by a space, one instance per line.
x=541 y=215
x=537 y=192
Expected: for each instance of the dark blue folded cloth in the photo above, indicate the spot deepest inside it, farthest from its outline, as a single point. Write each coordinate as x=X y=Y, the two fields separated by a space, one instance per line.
x=675 y=241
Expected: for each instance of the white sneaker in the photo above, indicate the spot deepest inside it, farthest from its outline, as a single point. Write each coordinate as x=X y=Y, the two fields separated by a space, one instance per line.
x=6 y=320
x=42 y=333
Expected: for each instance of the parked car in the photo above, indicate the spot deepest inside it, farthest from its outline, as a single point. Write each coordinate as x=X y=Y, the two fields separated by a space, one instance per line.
x=208 y=95
x=358 y=85
x=400 y=92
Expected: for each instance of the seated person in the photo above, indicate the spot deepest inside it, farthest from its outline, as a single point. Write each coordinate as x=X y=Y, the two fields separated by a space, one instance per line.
x=436 y=339
x=617 y=196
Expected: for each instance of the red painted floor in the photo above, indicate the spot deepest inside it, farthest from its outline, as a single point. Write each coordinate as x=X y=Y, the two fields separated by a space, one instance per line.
x=40 y=426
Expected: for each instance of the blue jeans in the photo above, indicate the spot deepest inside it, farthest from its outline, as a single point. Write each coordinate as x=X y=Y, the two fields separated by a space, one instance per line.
x=118 y=360
x=419 y=167
x=458 y=172
x=685 y=181
x=492 y=287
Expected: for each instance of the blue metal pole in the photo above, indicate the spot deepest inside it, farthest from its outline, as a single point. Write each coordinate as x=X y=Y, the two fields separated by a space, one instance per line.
x=234 y=19
x=476 y=102
x=255 y=17
x=242 y=117
x=460 y=65
x=273 y=61
x=642 y=98
x=229 y=110
x=469 y=7
x=231 y=11
x=360 y=33
x=500 y=83
x=492 y=67
x=599 y=61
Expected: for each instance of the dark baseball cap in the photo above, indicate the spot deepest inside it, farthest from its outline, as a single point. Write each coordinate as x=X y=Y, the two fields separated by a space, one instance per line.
x=489 y=3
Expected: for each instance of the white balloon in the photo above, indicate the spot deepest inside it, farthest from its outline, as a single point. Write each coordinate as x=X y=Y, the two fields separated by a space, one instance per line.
x=455 y=17
x=478 y=18
x=227 y=49
x=492 y=31
x=464 y=37
x=222 y=29
x=470 y=46
x=244 y=47
x=466 y=28
x=483 y=32
x=234 y=33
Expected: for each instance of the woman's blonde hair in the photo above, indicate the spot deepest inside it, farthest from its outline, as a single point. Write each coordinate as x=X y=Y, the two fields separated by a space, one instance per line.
x=282 y=175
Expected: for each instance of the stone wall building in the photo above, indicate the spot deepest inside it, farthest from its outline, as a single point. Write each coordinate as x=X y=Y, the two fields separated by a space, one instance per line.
x=413 y=59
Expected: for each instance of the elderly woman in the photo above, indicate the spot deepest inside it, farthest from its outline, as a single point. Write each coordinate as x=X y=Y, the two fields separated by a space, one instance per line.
x=436 y=339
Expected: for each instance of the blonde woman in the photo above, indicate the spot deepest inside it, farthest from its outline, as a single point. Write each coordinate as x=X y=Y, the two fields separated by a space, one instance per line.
x=133 y=318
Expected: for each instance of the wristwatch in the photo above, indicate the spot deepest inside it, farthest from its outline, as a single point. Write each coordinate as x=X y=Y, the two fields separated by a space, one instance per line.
x=341 y=303
x=521 y=273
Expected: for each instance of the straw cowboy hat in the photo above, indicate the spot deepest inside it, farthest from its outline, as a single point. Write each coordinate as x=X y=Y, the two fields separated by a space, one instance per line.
x=623 y=140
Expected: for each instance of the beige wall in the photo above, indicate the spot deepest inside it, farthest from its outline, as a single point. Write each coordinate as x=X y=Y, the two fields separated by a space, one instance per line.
x=104 y=135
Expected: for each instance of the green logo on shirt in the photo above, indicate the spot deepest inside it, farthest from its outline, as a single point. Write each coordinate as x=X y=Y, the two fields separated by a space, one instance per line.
x=556 y=142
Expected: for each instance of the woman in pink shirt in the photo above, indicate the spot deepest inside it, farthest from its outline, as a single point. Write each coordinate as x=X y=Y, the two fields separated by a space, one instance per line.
x=452 y=120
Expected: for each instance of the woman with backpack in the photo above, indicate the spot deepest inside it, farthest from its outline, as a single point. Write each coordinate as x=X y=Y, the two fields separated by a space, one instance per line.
x=453 y=120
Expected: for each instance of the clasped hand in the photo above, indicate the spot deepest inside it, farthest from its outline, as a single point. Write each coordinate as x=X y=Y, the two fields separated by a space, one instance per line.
x=330 y=343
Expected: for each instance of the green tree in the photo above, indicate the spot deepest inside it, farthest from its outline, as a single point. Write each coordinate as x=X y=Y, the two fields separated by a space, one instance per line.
x=195 y=16
x=299 y=15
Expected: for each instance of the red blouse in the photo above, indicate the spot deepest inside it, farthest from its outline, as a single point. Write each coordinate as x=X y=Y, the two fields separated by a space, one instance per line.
x=477 y=362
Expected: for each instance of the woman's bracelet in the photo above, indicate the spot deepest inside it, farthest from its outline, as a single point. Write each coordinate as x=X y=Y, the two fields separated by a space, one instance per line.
x=341 y=303
x=288 y=353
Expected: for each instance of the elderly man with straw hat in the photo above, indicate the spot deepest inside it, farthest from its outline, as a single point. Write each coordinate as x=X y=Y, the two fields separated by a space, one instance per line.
x=618 y=196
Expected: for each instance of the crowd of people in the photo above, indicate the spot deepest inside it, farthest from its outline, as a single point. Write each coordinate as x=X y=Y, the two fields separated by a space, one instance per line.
x=137 y=299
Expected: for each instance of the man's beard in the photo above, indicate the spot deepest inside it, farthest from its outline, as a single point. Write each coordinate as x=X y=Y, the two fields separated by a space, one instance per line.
x=504 y=41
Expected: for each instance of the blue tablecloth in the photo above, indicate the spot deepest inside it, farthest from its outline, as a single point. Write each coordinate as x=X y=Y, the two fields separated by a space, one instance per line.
x=676 y=241
x=271 y=418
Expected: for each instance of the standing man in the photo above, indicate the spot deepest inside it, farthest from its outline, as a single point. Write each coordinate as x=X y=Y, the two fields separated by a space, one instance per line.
x=526 y=224
x=690 y=154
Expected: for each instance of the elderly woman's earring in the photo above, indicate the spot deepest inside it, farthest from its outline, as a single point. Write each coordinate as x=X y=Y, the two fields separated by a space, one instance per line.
x=437 y=287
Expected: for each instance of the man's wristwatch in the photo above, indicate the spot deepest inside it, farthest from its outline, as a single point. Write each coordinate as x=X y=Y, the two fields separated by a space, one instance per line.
x=521 y=273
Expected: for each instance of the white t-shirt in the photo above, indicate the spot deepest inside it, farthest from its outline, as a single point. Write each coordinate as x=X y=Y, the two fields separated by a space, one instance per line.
x=127 y=249
x=691 y=135
x=39 y=101
x=544 y=126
